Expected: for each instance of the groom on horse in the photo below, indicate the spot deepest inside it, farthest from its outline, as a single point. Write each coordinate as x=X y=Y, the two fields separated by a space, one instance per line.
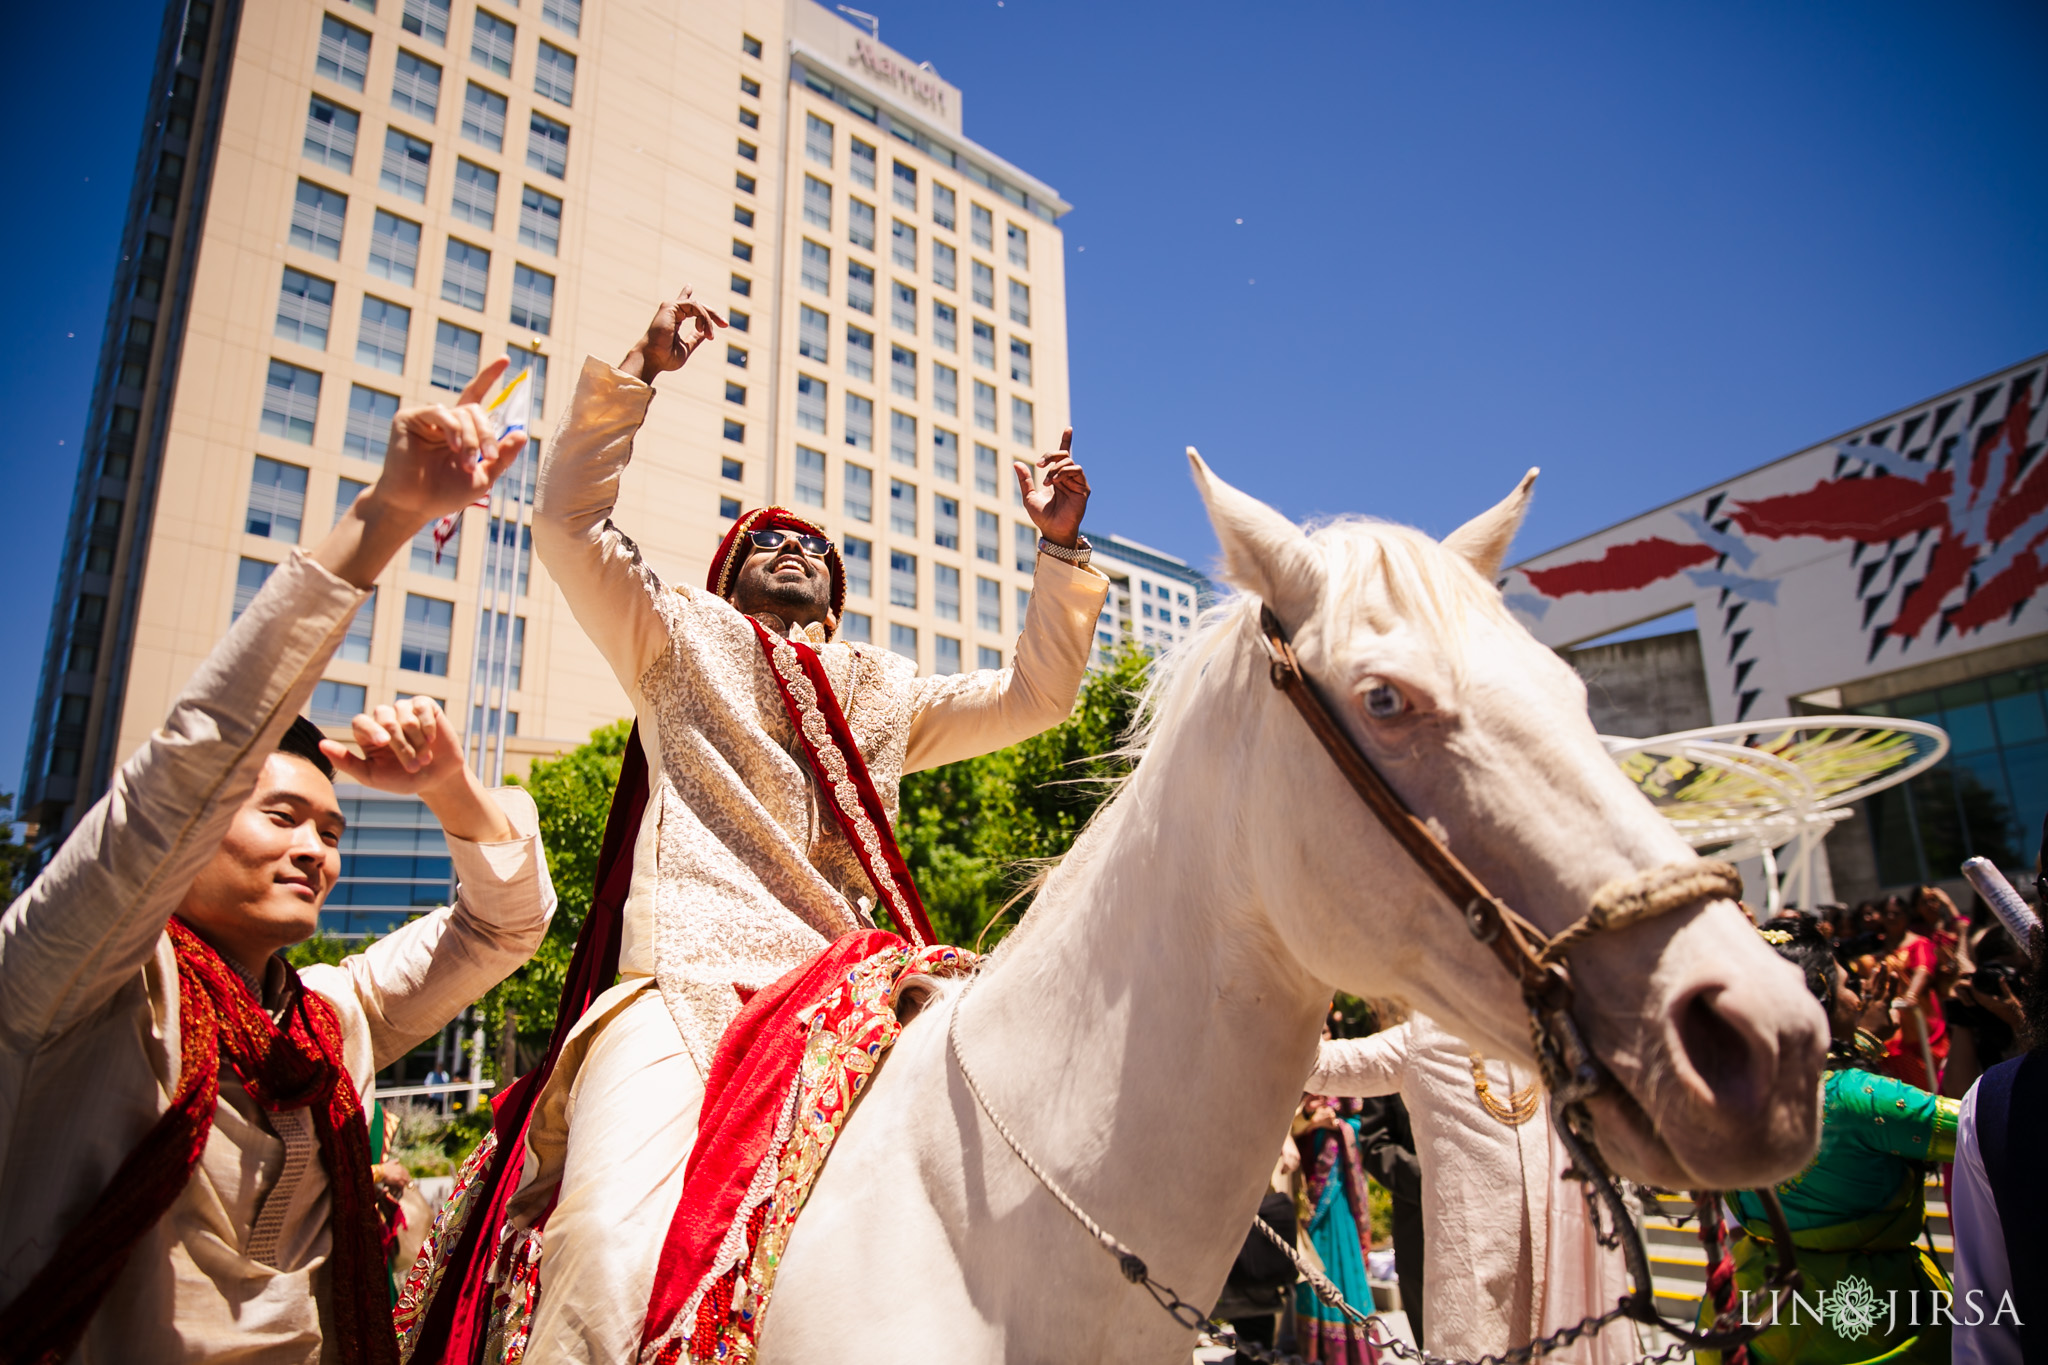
x=753 y=813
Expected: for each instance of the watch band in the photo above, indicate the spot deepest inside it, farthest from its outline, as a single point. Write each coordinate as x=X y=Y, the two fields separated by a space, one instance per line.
x=1078 y=556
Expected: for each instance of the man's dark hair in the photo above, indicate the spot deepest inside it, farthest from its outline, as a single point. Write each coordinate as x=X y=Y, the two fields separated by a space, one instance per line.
x=303 y=741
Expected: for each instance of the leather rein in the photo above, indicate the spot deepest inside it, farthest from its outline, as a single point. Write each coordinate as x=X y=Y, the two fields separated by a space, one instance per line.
x=1536 y=961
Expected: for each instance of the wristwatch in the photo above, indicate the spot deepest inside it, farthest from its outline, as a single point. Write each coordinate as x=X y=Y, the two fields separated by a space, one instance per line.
x=1078 y=556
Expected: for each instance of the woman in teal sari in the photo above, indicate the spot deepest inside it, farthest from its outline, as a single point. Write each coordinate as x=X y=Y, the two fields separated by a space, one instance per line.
x=1858 y=1210
x=1339 y=1228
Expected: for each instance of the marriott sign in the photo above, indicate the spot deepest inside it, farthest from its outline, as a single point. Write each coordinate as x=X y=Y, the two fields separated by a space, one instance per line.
x=914 y=81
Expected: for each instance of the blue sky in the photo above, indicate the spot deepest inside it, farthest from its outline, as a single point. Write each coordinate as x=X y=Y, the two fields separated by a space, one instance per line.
x=1642 y=246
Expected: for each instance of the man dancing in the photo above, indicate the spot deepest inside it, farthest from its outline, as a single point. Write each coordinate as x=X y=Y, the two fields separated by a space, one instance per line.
x=184 y=1164
x=738 y=875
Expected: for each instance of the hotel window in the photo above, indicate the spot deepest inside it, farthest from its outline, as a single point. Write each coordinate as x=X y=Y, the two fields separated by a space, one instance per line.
x=540 y=220
x=902 y=579
x=984 y=344
x=504 y=571
x=566 y=15
x=859 y=557
x=860 y=223
x=250 y=576
x=317 y=217
x=465 y=274
x=817 y=202
x=1020 y=361
x=305 y=308
x=860 y=287
x=903 y=640
x=903 y=512
x=816 y=268
x=404 y=171
x=336 y=703
x=984 y=468
x=945 y=266
x=456 y=351
x=416 y=86
x=750 y=44
x=810 y=476
x=741 y=285
x=945 y=326
x=903 y=306
x=988 y=535
x=903 y=438
x=946 y=592
x=729 y=468
x=1023 y=606
x=813 y=338
x=945 y=389
x=369 y=423
x=946 y=535
x=945 y=655
x=860 y=422
x=291 y=401
x=734 y=355
x=984 y=290
x=904 y=185
x=735 y=431
x=1021 y=422
x=735 y=393
x=1020 y=302
x=743 y=181
x=859 y=494
x=362 y=627
x=742 y=215
x=903 y=371
x=812 y=404
x=743 y=251
x=394 y=247
x=424 y=640
x=1027 y=555
x=946 y=454
x=903 y=244
x=987 y=657
x=547 y=146
x=554 y=76
x=857 y=627
x=942 y=206
x=817 y=139
x=346 y=491
x=435 y=561
x=984 y=405
x=331 y=134
x=483 y=117
x=860 y=352
x=344 y=54
x=988 y=607
x=476 y=194
x=983 y=224
x=1020 y=246
x=490 y=43
x=861 y=162
x=729 y=508
x=533 y=299
x=495 y=656
x=277 y=500
x=427 y=18
x=748 y=150
x=381 y=336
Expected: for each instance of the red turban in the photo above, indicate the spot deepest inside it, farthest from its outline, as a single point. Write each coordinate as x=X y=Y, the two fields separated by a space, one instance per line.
x=732 y=551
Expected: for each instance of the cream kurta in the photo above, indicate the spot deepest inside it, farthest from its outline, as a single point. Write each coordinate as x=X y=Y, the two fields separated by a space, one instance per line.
x=738 y=876
x=1508 y=1252
x=89 y=1012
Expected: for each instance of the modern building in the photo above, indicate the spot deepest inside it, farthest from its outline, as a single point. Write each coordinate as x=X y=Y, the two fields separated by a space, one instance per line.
x=340 y=207
x=1894 y=570
x=1153 y=596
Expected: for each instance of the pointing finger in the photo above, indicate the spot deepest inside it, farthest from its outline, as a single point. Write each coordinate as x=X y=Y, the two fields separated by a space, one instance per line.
x=1023 y=472
x=1067 y=439
x=475 y=390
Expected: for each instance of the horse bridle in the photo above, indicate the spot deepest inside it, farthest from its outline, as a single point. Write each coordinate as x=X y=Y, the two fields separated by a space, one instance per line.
x=1571 y=1071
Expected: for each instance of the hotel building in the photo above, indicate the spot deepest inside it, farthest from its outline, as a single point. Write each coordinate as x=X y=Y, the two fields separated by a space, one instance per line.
x=344 y=206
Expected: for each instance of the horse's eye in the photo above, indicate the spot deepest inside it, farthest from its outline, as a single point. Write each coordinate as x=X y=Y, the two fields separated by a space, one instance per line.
x=1383 y=700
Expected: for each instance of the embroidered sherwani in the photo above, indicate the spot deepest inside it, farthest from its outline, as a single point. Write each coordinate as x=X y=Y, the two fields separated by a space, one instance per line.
x=739 y=874
x=89 y=1016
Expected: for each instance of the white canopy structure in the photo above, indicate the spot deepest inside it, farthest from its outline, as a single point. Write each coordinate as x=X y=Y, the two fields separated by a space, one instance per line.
x=1772 y=789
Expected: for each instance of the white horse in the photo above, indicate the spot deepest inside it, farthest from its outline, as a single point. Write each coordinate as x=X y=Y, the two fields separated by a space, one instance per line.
x=1147 y=1029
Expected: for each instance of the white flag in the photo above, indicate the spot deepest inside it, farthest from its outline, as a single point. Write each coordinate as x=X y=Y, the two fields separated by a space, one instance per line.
x=513 y=407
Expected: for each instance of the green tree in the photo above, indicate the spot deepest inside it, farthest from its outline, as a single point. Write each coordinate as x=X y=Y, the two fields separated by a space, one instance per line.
x=17 y=854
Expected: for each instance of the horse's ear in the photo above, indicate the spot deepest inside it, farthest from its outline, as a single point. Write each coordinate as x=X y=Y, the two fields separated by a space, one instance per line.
x=1263 y=552
x=1484 y=540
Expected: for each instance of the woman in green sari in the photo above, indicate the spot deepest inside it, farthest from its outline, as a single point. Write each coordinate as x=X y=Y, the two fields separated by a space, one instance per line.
x=1867 y=1288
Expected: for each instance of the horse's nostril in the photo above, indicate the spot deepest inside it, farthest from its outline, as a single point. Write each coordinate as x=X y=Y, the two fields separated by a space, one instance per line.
x=1721 y=1053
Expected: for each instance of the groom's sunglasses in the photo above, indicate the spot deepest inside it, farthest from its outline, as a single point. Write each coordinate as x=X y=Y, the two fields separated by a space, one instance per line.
x=817 y=547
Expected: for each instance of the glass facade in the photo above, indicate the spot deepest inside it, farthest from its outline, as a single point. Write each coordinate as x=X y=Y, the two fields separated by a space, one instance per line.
x=394 y=867
x=1986 y=798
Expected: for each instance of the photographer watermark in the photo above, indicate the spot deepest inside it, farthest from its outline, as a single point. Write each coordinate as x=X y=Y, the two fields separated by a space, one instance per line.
x=1853 y=1309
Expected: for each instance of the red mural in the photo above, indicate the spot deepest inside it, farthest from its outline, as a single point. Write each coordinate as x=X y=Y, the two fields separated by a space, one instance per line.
x=1624 y=568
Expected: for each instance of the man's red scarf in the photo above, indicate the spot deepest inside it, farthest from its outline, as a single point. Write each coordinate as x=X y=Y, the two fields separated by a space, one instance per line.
x=293 y=1067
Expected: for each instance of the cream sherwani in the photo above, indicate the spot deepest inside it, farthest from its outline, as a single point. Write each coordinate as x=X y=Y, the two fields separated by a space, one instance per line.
x=89 y=1013
x=738 y=874
x=1508 y=1251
